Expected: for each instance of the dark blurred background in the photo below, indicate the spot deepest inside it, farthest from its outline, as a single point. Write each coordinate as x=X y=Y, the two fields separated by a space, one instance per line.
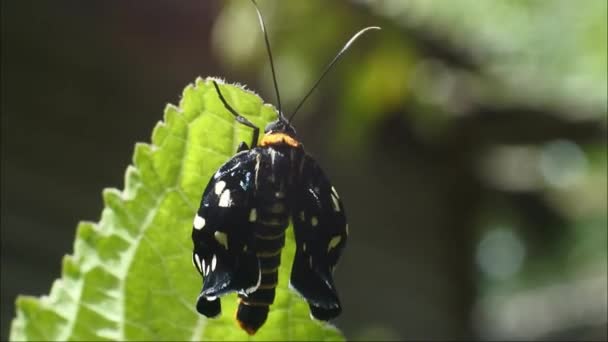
x=467 y=140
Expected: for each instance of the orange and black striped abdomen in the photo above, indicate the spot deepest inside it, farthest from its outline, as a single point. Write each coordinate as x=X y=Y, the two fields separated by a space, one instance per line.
x=271 y=221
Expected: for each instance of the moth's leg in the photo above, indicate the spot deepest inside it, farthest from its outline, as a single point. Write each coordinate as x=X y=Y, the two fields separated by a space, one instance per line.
x=239 y=118
x=242 y=147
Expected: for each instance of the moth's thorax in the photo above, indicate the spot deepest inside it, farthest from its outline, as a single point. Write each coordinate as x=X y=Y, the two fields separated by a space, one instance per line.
x=278 y=138
x=276 y=171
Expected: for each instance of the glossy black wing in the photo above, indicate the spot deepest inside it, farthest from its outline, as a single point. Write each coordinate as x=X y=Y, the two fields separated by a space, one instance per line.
x=321 y=232
x=222 y=234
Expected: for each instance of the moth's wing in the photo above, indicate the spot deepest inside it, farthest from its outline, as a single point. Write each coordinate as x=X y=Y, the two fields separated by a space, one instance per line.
x=222 y=234
x=321 y=232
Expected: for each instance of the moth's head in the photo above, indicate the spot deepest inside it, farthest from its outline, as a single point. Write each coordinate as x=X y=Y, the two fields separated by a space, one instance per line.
x=280 y=126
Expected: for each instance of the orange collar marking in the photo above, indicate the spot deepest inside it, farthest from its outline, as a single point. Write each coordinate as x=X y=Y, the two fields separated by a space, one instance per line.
x=278 y=138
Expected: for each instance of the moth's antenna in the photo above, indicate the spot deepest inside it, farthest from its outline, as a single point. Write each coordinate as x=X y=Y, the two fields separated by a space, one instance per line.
x=331 y=64
x=274 y=76
x=226 y=105
x=237 y=116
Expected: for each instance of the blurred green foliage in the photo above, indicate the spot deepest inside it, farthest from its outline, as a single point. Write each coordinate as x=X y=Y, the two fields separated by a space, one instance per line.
x=467 y=140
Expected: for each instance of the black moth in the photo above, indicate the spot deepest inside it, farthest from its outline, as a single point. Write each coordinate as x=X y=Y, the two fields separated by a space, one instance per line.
x=239 y=230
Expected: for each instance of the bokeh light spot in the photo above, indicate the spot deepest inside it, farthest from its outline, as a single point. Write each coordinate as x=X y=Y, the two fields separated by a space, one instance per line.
x=562 y=163
x=500 y=253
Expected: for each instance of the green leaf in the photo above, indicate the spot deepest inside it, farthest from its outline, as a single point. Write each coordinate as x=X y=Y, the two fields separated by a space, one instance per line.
x=130 y=276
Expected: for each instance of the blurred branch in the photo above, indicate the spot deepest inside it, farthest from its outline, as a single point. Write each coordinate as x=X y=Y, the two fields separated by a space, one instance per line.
x=520 y=124
x=485 y=126
x=430 y=42
x=515 y=120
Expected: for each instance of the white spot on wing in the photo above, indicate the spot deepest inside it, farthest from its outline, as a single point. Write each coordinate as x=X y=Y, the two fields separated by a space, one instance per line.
x=211 y=298
x=334 y=242
x=314 y=221
x=197 y=262
x=334 y=202
x=253 y=215
x=347 y=229
x=333 y=190
x=199 y=222
x=219 y=187
x=225 y=199
x=304 y=247
x=302 y=216
x=257 y=169
x=221 y=238
x=213 y=262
